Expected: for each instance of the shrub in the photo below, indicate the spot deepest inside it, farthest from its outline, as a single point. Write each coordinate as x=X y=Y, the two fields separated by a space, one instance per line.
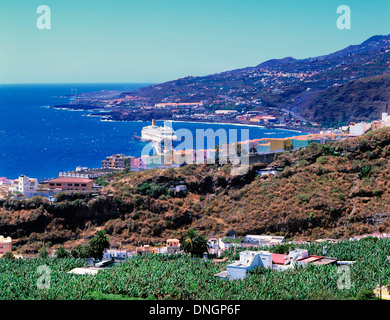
x=303 y=198
x=322 y=160
x=365 y=172
x=8 y=255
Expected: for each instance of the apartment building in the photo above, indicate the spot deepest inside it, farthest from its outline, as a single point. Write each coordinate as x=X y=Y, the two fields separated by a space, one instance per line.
x=117 y=161
x=24 y=184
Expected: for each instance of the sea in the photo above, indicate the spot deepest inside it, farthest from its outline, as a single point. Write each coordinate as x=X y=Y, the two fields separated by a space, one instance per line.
x=39 y=141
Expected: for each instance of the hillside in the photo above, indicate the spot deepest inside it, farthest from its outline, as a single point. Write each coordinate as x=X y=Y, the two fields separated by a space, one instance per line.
x=302 y=85
x=333 y=190
x=358 y=100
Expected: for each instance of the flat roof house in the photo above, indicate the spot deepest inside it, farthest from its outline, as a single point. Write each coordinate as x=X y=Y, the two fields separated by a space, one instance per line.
x=248 y=261
x=24 y=184
x=173 y=246
x=71 y=184
x=263 y=239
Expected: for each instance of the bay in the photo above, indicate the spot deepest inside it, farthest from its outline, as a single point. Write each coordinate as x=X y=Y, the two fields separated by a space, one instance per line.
x=40 y=142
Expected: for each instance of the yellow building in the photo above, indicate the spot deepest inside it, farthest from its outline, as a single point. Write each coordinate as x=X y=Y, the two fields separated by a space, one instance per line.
x=280 y=144
x=382 y=292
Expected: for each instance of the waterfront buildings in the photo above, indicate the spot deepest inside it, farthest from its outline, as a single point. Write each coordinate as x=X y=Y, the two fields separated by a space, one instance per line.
x=263 y=148
x=226 y=112
x=86 y=173
x=117 y=162
x=179 y=105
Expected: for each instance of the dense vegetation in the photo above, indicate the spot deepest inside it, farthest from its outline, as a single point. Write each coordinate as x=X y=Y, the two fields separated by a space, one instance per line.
x=335 y=190
x=182 y=277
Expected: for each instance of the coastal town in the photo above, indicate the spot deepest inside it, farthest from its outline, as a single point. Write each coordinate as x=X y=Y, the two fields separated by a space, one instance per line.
x=133 y=108
x=251 y=249
x=83 y=179
x=195 y=159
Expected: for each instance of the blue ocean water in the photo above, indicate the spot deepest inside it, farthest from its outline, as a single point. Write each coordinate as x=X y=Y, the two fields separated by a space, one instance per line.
x=40 y=142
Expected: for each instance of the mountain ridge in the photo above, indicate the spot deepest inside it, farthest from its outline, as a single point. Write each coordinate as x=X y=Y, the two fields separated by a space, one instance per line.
x=276 y=83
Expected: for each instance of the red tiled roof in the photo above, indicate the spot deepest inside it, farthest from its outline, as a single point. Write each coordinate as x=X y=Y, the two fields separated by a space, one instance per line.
x=278 y=258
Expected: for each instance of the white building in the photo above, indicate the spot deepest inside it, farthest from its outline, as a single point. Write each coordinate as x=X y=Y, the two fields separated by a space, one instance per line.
x=173 y=246
x=113 y=253
x=212 y=243
x=297 y=254
x=359 y=128
x=226 y=112
x=248 y=261
x=385 y=118
x=24 y=185
x=263 y=239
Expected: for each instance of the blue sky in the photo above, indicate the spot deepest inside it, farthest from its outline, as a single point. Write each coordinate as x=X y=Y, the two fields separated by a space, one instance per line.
x=160 y=40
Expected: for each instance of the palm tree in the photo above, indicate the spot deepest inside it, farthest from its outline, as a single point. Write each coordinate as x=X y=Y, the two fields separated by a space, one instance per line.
x=98 y=244
x=62 y=253
x=43 y=253
x=194 y=243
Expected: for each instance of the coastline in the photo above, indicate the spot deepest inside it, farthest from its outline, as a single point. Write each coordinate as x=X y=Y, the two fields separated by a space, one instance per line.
x=105 y=113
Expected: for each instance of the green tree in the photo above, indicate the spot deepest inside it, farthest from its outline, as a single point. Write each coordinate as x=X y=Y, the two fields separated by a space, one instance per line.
x=81 y=252
x=365 y=295
x=43 y=253
x=216 y=154
x=283 y=248
x=194 y=243
x=365 y=171
x=62 y=253
x=98 y=244
x=8 y=255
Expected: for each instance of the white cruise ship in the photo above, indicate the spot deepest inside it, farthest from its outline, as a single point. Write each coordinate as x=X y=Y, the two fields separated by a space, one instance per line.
x=157 y=134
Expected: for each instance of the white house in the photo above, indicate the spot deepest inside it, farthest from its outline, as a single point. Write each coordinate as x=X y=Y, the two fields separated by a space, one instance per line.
x=226 y=112
x=385 y=118
x=24 y=184
x=212 y=243
x=178 y=188
x=263 y=239
x=113 y=253
x=263 y=172
x=248 y=261
x=359 y=128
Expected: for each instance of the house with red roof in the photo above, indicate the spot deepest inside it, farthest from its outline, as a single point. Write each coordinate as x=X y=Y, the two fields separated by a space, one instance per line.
x=71 y=184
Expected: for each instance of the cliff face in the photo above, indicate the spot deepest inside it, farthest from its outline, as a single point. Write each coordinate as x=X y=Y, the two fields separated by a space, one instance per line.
x=333 y=190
